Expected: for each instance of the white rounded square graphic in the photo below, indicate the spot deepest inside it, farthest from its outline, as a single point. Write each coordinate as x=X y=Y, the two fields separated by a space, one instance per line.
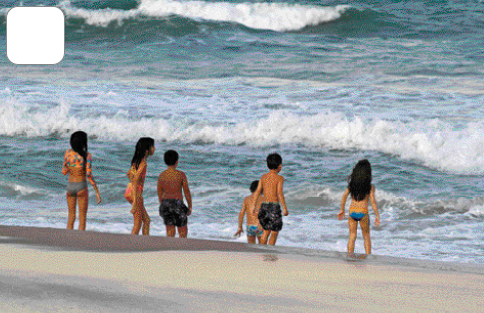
x=35 y=35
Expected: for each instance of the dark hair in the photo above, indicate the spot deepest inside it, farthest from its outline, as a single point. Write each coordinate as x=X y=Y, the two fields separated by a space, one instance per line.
x=171 y=156
x=79 y=144
x=359 y=182
x=254 y=185
x=144 y=144
x=273 y=161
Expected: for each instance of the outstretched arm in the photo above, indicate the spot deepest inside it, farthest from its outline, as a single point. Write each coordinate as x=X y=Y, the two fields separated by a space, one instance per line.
x=341 y=214
x=374 y=205
x=241 y=218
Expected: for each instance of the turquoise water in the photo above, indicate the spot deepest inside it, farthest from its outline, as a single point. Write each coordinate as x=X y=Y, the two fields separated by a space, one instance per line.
x=226 y=83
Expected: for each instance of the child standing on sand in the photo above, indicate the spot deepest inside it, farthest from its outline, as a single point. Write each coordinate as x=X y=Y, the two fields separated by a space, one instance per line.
x=77 y=163
x=172 y=209
x=134 y=192
x=362 y=191
x=269 y=215
x=253 y=226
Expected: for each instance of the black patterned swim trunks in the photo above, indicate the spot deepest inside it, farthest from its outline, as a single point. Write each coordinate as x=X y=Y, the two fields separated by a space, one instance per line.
x=270 y=216
x=174 y=212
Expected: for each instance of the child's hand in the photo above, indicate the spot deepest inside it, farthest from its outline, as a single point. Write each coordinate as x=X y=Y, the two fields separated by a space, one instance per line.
x=189 y=211
x=286 y=213
x=239 y=232
x=341 y=215
x=98 y=196
x=133 y=210
x=377 y=221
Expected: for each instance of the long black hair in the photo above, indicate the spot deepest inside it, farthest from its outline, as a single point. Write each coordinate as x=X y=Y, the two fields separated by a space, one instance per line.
x=144 y=144
x=79 y=144
x=359 y=182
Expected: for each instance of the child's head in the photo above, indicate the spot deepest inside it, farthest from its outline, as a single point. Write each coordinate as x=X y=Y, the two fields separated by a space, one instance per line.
x=144 y=146
x=360 y=180
x=273 y=161
x=171 y=157
x=79 y=144
x=254 y=185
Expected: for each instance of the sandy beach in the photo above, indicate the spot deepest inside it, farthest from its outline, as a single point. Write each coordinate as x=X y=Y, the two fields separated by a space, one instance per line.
x=57 y=270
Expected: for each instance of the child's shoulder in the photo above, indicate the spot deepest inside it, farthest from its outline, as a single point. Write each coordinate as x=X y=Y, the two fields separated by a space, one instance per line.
x=180 y=173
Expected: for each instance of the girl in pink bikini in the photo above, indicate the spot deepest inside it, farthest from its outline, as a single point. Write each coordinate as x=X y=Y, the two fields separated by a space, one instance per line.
x=134 y=192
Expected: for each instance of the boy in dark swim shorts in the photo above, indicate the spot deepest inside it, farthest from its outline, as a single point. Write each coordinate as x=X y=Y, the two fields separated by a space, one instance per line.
x=270 y=216
x=172 y=209
x=253 y=226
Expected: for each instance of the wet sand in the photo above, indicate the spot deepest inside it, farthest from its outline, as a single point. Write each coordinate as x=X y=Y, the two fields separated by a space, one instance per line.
x=58 y=270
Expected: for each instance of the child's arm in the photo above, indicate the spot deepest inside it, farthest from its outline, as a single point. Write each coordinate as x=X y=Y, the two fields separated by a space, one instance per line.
x=136 y=181
x=160 y=190
x=241 y=218
x=64 y=167
x=341 y=214
x=91 y=178
x=256 y=195
x=374 y=206
x=280 y=195
x=186 y=191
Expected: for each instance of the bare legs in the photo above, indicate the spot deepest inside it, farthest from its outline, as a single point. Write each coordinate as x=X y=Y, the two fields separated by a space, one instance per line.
x=265 y=236
x=182 y=231
x=365 y=228
x=82 y=199
x=141 y=219
x=251 y=239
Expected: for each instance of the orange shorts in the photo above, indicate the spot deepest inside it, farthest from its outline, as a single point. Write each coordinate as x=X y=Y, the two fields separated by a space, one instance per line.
x=128 y=194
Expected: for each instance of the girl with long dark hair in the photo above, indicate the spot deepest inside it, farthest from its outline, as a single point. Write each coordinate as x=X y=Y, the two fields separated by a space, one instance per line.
x=134 y=192
x=77 y=163
x=362 y=191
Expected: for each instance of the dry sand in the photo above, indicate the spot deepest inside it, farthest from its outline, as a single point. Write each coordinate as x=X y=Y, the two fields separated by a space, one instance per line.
x=57 y=270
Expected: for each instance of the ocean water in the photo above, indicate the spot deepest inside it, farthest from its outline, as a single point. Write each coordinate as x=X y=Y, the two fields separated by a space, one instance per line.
x=324 y=83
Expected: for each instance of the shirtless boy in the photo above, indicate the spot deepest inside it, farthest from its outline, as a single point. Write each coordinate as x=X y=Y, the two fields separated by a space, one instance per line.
x=269 y=215
x=253 y=226
x=170 y=185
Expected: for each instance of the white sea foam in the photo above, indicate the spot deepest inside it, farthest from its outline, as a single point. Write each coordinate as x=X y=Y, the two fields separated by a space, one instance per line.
x=263 y=15
x=431 y=142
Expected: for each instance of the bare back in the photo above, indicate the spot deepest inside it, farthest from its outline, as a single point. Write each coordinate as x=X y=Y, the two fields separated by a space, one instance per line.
x=362 y=205
x=170 y=184
x=271 y=184
x=252 y=218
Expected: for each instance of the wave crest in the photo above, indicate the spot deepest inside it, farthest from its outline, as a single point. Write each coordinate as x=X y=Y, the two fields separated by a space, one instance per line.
x=434 y=143
x=264 y=15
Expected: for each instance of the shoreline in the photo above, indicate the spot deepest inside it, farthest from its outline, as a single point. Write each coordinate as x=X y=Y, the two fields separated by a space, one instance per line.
x=68 y=270
x=74 y=240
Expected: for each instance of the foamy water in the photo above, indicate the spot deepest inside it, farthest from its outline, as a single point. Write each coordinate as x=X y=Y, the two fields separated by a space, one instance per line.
x=226 y=83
